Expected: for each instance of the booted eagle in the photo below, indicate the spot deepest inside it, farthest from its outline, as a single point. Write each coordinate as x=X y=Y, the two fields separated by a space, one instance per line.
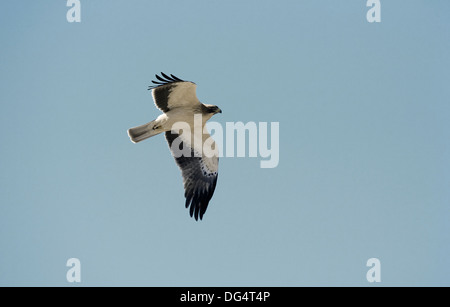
x=178 y=101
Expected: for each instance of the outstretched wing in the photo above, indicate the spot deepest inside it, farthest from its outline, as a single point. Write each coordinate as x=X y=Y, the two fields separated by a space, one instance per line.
x=199 y=174
x=171 y=92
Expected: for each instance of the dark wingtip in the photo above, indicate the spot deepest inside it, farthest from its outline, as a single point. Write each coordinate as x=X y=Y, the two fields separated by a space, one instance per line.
x=165 y=79
x=188 y=200
x=191 y=209
x=160 y=79
x=176 y=78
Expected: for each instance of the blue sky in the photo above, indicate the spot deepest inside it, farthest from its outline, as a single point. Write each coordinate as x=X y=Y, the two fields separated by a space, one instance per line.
x=364 y=167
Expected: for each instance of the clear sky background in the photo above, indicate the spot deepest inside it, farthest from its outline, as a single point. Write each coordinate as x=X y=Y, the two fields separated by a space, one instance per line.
x=364 y=115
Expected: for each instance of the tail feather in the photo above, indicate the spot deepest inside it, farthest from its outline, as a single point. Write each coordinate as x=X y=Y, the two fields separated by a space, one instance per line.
x=143 y=132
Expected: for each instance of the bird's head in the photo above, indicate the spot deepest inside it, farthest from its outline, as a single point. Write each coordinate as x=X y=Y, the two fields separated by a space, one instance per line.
x=212 y=109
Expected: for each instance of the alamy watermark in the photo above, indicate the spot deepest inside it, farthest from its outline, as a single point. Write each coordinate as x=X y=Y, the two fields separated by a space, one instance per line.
x=230 y=141
x=374 y=13
x=74 y=273
x=74 y=13
x=374 y=273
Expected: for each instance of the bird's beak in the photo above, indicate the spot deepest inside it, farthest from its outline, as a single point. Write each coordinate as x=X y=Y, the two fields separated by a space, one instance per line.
x=220 y=111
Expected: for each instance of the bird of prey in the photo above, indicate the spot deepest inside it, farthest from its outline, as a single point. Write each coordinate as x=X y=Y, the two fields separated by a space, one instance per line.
x=178 y=101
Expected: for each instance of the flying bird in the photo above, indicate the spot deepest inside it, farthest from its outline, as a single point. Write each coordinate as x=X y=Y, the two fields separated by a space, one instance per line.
x=178 y=101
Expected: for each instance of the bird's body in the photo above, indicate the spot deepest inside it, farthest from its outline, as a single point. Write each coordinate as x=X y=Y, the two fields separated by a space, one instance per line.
x=182 y=109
